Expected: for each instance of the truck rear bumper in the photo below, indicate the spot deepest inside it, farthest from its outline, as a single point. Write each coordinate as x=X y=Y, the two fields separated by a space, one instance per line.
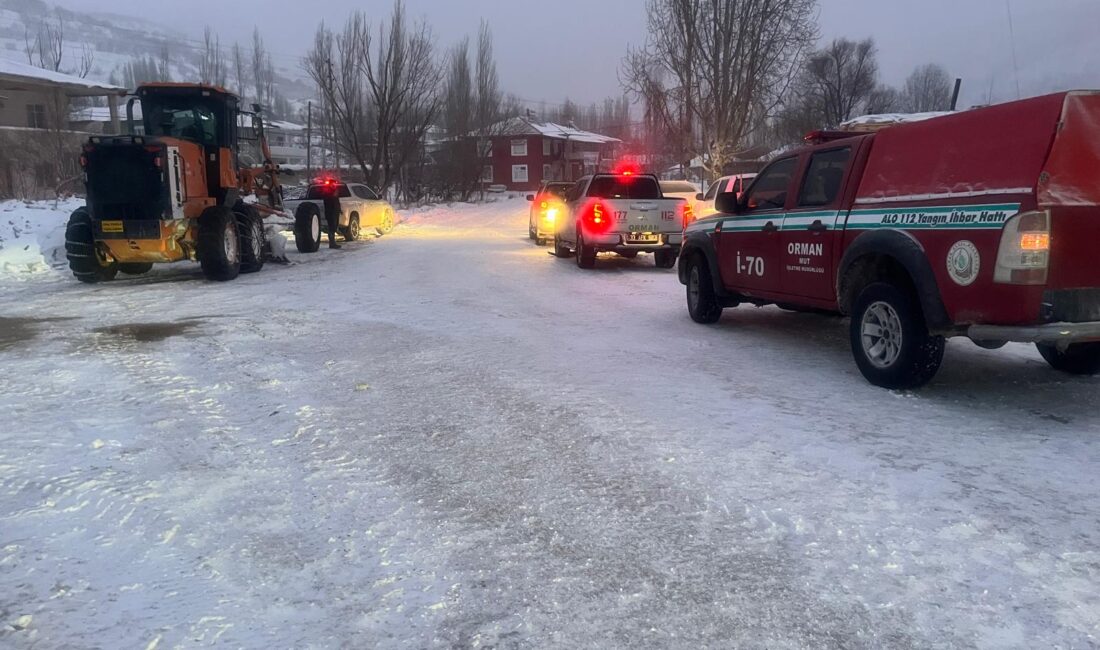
x=617 y=242
x=1049 y=333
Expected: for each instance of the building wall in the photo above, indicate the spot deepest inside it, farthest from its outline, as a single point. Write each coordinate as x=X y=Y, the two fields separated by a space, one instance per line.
x=13 y=108
x=559 y=160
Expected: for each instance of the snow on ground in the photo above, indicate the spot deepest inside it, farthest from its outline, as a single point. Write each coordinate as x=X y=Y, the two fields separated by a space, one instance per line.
x=448 y=438
x=32 y=237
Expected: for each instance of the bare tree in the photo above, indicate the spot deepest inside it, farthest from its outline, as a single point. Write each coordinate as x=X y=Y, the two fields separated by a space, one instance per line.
x=927 y=89
x=884 y=99
x=212 y=68
x=263 y=70
x=709 y=67
x=47 y=48
x=841 y=78
x=240 y=69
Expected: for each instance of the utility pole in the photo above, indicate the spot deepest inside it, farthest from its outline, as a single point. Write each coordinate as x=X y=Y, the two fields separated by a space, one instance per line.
x=309 y=140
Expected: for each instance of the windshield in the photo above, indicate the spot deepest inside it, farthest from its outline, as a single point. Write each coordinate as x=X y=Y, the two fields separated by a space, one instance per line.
x=624 y=187
x=181 y=118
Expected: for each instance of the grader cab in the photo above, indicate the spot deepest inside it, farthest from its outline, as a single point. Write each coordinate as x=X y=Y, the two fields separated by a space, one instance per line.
x=176 y=191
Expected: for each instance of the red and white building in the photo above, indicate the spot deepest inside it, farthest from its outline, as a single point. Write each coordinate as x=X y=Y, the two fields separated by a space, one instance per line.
x=523 y=153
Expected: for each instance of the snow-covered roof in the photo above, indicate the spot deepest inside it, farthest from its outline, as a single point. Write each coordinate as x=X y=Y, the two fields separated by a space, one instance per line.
x=883 y=120
x=523 y=126
x=102 y=114
x=15 y=71
x=283 y=125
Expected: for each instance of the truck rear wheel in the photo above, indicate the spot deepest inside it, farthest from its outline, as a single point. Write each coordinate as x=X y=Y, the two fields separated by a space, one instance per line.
x=586 y=255
x=135 y=268
x=250 y=232
x=890 y=341
x=219 y=246
x=665 y=259
x=1077 y=359
x=560 y=249
x=85 y=261
x=703 y=306
x=307 y=228
x=352 y=232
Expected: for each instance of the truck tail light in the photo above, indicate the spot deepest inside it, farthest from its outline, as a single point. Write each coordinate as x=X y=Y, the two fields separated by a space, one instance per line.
x=597 y=218
x=1024 y=254
x=689 y=214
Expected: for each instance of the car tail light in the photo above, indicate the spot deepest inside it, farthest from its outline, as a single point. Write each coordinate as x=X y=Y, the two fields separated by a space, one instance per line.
x=1024 y=254
x=597 y=218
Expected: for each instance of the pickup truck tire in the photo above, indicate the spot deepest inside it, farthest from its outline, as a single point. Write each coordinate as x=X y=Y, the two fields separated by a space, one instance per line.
x=307 y=228
x=586 y=255
x=1077 y=359
x=250 y=231
x=560 y=249
x=703 y=305
x=531 y=234
x=890 y=339
x=385 y=226
x=135 y=268
x=219 y=245
x=352 y=232
x=84 y=260
x=664 y=259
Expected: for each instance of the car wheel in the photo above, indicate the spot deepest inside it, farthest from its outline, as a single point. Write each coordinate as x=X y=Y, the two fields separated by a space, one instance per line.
x=385 y=226
x=1077 y=359
x=586 y=255
x=665 y=259
x=890 y=340
x=531 y=234
x=703 y=306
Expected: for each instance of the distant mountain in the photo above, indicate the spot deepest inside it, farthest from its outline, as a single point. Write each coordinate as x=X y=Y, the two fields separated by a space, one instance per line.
x=117 y=40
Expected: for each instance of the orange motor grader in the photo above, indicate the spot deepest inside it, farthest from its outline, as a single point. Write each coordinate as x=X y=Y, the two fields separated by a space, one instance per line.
x=177 y=191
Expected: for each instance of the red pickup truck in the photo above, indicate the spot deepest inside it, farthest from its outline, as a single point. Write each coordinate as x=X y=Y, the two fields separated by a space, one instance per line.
x=984 y=224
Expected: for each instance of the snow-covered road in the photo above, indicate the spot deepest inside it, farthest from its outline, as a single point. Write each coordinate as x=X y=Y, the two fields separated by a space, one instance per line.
x=448 y=438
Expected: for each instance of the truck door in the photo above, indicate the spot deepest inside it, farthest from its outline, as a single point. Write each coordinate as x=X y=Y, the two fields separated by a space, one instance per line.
x=748 y=244
x=810 y=227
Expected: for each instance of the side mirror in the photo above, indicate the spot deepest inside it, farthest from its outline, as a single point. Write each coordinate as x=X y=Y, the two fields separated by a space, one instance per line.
x=530 y=197
x=727 y=203
x=699 y=197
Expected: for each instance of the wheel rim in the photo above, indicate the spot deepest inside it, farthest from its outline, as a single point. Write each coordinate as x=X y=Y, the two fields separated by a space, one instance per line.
x=229 y=242
x=693 y=288
x=353 y=228
x=315 y=228
x=387 y=222
x=881 y=334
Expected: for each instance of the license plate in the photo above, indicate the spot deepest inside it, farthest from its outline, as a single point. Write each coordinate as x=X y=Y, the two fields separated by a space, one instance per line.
x=113 y=226
x=643 y=238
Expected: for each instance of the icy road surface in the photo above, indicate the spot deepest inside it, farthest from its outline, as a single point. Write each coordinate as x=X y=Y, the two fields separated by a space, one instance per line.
x=448 y=438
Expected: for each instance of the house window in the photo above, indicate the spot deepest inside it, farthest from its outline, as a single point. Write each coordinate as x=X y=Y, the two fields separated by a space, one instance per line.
x=547 y=146
x=487 y=174
x=36 y=116
x=547 y=172
x=519 y=173
x=519 y=148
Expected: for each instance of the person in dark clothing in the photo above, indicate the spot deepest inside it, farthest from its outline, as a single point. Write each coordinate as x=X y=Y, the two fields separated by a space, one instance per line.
x=332 y=214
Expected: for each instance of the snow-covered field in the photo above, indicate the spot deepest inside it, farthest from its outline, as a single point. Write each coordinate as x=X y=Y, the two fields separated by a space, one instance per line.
x=448 y=438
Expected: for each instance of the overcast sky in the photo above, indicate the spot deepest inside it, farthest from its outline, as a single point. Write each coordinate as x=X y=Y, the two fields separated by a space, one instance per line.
x=550 y=50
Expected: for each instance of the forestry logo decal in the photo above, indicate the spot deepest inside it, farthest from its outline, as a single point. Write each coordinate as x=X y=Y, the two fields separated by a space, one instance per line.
x=963 y=263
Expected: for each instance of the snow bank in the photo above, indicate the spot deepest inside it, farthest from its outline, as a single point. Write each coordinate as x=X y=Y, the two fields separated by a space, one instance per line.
x=890 y=119
x=32 y=237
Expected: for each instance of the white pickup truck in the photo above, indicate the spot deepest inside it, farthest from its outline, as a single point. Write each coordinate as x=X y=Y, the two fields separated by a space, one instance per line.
x=360 y=207
x=621 y=213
